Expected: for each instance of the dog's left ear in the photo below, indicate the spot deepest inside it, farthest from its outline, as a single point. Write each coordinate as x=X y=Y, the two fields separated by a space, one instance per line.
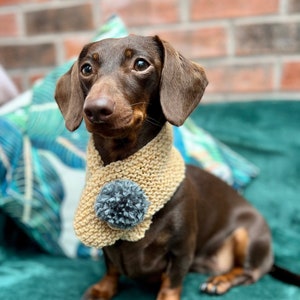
x=182 y=85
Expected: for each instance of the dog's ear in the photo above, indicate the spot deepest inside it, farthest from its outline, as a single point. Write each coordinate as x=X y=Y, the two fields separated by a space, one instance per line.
x=70 y=98
x=182 y=85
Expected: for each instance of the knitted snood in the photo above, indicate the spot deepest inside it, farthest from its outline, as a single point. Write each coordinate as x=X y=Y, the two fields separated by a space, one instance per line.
x=157 y=168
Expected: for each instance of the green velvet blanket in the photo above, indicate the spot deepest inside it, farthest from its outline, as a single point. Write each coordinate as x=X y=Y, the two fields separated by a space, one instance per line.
x=267 y=134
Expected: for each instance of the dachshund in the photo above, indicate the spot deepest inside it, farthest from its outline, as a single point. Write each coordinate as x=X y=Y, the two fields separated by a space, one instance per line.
x=125 y=90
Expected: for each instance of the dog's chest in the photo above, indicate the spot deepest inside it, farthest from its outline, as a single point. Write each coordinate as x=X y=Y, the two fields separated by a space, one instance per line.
x=142 y=259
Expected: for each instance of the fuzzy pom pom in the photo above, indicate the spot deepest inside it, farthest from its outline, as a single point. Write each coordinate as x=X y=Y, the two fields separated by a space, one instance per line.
x=122 y=204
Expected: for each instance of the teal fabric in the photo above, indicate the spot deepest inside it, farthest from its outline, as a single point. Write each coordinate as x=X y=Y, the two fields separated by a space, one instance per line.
x=268 y=135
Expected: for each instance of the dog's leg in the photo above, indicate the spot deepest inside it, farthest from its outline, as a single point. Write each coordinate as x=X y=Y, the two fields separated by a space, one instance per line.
x=250 y=260
x=167 y=292
x=106 y=288
x=180 y=261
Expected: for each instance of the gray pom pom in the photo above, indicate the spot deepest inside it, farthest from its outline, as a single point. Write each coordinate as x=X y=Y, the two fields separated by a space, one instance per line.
x=122 y=204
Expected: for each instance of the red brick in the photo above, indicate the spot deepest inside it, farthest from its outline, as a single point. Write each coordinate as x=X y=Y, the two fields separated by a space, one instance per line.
x=11 y=2
x=73 y=46
x=240 y=78
x=291 y=76
x=142 y=12
x=294 y=6
x=8 y=25
x=33 y=78
x=268 y=38
x=58 y=20
x=16 y=2
x=26 y=56
x=198 y=43
x=212 y=9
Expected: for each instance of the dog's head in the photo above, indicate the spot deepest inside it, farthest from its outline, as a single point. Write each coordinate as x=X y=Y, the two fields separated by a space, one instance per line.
x=114 y=82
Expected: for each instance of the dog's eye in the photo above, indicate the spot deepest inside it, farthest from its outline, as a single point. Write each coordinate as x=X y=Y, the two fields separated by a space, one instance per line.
x=86 y=69
x=141 y=64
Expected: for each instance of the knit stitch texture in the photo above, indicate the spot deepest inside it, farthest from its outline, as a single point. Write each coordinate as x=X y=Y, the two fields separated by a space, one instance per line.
x=157 y=168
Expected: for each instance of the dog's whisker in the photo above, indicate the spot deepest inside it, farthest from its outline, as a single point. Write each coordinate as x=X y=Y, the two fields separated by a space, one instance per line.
x=153 y=122
x=138 y=103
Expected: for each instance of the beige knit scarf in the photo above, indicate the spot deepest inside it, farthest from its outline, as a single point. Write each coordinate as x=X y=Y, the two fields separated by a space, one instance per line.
x=157 y=168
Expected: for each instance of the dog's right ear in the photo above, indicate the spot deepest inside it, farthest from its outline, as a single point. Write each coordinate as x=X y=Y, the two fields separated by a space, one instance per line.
x=70 y=98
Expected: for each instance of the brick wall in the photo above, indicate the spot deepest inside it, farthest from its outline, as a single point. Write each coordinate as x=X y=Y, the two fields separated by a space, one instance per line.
x=250 y=49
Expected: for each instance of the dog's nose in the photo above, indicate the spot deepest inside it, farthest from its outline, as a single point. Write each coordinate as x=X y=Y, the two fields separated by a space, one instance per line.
x=99 y=110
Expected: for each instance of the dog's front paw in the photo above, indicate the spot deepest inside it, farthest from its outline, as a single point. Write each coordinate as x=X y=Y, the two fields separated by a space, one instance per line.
x=169 y=294
x=215 y=287
x=220 y=284
x=105 y=289
x=94 y=293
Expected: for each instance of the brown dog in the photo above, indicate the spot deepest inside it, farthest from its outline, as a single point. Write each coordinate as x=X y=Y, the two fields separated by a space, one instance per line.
x=125 y=90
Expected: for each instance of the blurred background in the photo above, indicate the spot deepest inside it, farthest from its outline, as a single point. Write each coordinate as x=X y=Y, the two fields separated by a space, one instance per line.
x=250 y=49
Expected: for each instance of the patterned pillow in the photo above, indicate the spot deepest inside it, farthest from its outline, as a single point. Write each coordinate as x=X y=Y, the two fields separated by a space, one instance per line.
x=203 y=150
x=42 y=164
